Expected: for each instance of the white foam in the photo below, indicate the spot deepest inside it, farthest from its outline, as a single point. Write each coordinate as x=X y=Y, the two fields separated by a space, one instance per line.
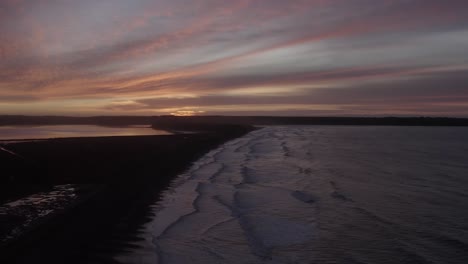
x=306 y=194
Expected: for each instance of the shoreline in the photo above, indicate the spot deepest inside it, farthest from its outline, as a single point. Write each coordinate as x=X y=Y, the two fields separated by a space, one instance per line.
x=145 y=167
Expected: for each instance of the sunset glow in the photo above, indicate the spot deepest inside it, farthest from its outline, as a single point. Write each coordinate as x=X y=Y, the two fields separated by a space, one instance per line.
x=244 y=57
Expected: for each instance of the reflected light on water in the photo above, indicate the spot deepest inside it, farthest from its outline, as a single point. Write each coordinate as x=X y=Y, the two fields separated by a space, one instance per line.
x=67 y=131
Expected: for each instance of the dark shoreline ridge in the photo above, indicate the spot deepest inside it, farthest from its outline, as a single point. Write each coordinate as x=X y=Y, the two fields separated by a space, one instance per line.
x=128 y=172
x=241 y=120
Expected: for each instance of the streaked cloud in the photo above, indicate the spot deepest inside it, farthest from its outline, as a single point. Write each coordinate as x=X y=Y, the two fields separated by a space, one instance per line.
x=335 y=57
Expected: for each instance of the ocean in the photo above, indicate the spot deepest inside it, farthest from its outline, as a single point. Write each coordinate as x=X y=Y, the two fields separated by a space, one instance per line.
x=318 y=194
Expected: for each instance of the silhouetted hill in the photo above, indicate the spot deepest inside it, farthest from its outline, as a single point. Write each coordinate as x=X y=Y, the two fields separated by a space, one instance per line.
x=170 y=121
x=167 y=121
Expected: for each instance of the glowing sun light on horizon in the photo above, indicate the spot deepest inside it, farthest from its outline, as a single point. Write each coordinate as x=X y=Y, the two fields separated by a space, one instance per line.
x=186 y=113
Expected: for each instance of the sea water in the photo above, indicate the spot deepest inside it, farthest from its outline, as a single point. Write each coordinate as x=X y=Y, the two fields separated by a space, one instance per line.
x=318 y=194
x=67 y=131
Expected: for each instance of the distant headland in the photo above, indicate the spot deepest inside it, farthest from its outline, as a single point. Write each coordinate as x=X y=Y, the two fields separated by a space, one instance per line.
x=168 y=121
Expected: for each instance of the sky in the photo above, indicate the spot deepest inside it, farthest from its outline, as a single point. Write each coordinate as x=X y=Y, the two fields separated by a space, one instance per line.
x=234 y=57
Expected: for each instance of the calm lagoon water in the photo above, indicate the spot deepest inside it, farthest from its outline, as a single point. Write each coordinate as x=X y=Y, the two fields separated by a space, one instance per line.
x=66 y=131
x=318 y=194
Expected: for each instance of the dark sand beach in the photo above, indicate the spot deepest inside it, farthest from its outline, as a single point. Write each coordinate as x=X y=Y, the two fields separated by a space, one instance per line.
x=85 y=200
x=115 y=180
x=234 y=132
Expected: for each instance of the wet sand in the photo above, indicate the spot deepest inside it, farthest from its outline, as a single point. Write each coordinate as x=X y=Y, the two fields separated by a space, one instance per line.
x=130 y=172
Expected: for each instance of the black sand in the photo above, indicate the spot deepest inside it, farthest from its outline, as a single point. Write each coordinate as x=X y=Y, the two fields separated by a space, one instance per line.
x=123 y=176
x=128 y=173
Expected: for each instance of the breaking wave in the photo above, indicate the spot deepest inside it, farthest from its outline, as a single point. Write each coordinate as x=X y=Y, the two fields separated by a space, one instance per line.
x=304 y=194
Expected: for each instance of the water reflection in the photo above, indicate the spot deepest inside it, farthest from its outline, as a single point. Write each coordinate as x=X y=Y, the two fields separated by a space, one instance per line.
x=65 y=131
x=20 y=215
